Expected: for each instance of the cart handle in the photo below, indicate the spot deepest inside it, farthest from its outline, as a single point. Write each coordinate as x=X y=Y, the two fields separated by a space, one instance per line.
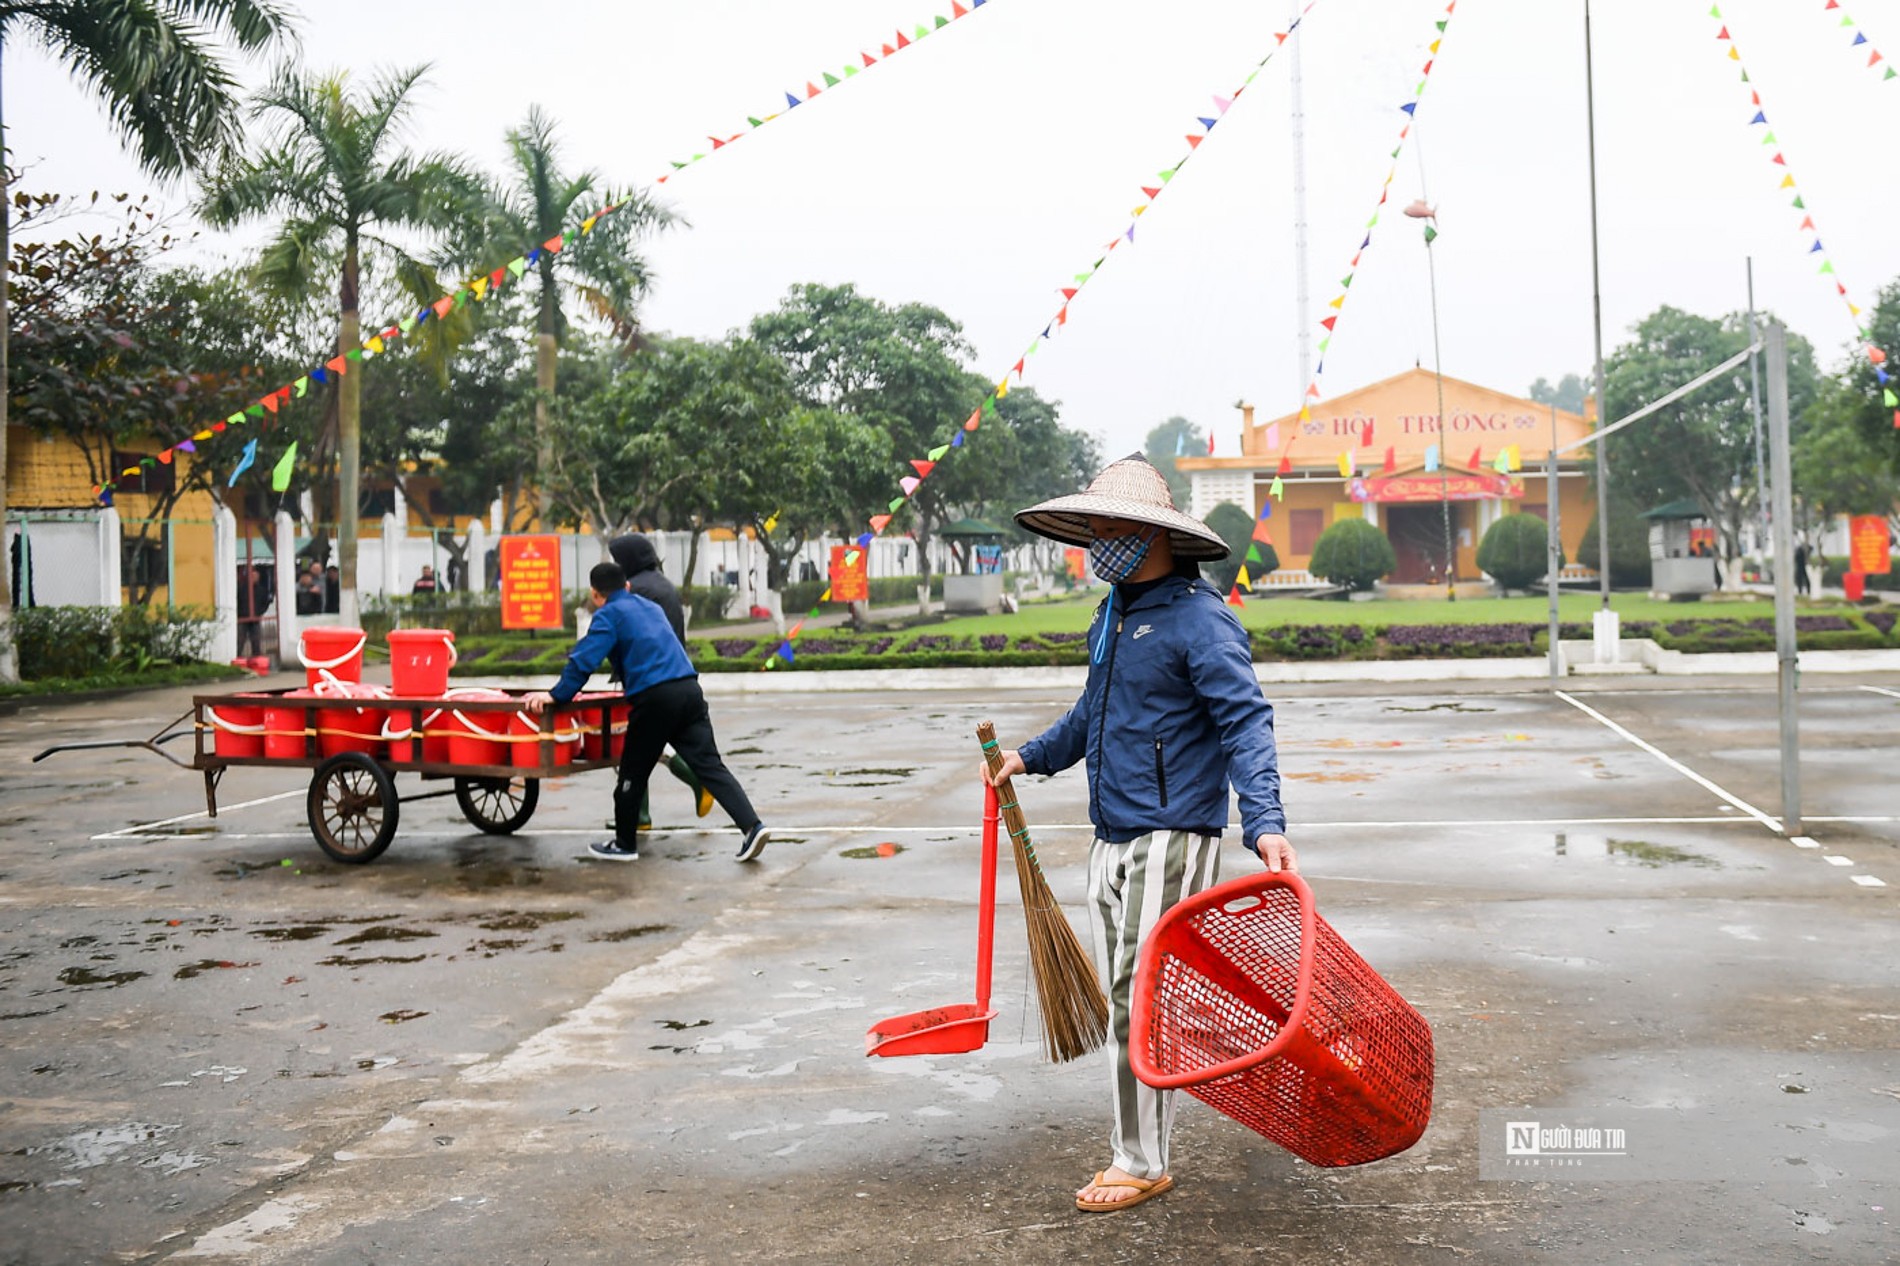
x=166 y=734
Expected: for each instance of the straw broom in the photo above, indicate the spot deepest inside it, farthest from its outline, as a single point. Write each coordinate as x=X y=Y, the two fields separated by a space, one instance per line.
x=1074 y=1009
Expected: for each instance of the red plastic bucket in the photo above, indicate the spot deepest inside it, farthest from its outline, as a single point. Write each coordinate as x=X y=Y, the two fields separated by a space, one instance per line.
x=1248 y=1000
x=332 y=654
x=399 y=733
x=419 y=662
x=472 y=737
x=603 y=726
x=349 y=729
x=284 y=728
x=439 y=725
x=236 y=732
x=526 y=742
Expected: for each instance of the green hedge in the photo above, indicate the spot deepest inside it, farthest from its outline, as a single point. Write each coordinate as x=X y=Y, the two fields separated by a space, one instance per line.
x=839 y=649
x=84 y=642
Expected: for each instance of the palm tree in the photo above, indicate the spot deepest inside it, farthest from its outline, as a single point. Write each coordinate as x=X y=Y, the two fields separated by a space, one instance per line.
x=151 y=63
x=535 y=202
x=335 y=178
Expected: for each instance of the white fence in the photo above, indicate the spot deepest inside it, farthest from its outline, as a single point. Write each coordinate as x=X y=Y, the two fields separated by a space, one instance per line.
x=64 y=558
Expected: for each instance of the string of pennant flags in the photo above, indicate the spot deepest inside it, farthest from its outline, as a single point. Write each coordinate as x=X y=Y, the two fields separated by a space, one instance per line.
x=1329 y=324
x=477 y=288
x=923 y=467
x=1875 y=60
x=1770 y=143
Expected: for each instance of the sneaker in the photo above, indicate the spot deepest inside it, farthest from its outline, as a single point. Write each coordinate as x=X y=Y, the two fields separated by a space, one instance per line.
x=706 y=802
x=754 y=843
x=613 y=851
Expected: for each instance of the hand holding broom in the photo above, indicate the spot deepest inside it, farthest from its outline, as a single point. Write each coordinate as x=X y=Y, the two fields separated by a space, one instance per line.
x=1074 y=1009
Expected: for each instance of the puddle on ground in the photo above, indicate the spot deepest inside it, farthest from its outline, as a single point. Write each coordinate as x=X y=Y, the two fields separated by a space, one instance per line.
x=489 y=949
x=886 y=849
x=84 y=976
x=79 y=942
x=864 y=777
x=680 y=1026
x=1450 y=706
x=1644 y=853
x=178 y=831
x=32 y=1015
x=744 y=751
x=203 y=965
x=371 y=935
x=244 y=870
x=627 y=934
x=479 y=876
x=300 y=932
x=342 y=960
x=127 y=874
x=1351 y=775
x=400 y=1017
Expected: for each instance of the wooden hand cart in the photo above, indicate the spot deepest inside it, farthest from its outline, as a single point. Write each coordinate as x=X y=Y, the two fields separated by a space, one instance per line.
x=353 y=807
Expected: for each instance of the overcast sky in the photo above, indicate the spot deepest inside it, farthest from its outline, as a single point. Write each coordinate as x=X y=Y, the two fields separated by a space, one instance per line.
x=978 y=170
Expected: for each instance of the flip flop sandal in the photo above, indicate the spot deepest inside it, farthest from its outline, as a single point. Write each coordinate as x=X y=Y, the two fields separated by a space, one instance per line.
x=1144 y=1189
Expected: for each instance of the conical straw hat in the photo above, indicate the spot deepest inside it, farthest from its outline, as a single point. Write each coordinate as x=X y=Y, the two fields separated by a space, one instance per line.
x=1129 y=489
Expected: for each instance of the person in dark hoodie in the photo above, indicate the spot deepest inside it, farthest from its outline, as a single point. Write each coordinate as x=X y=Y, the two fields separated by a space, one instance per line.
x=641 y=562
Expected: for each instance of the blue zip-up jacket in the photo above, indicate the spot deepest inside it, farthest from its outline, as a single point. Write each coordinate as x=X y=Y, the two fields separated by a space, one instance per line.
x=634 y=632
x=1171 y=714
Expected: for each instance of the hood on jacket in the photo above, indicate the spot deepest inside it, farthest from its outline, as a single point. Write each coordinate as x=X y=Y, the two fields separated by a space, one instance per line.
x=634 y=553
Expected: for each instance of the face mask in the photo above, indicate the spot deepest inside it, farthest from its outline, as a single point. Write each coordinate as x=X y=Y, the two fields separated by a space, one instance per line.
x=1117 y=558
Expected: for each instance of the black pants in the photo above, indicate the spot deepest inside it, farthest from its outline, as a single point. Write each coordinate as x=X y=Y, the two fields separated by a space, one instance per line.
x=673 y=712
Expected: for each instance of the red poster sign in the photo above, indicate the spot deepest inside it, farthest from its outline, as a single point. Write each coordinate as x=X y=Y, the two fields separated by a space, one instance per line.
x=850 y=574
x=531 y=582
x=1869 y=546
x=1433 y=488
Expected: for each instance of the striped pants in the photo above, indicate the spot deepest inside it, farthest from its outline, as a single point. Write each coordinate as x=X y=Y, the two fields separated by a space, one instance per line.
x=1130 y=886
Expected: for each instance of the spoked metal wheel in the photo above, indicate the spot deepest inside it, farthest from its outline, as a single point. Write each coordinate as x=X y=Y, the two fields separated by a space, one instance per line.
x=353 y=808
x=499 y=806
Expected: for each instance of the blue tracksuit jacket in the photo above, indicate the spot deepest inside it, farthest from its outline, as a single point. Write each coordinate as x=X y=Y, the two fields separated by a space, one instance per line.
x=1171 y=714
x=634 y=632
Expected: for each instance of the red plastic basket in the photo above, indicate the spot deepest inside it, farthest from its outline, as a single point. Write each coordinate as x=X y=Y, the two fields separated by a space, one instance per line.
x=1248 y=1000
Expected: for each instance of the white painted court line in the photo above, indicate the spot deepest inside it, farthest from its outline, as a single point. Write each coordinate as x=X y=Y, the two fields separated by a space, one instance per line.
x=1882 y=690
x=131 y=832
x=1804 y=841
x=1835 y=859
x=1868 y=881
x=1773 y=824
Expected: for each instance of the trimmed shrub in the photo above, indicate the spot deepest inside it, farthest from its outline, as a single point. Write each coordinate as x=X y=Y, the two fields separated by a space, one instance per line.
x=1235 y=526
x=1514 y=551
x=1354 y=554
x=1629 y=544
x=80 y=642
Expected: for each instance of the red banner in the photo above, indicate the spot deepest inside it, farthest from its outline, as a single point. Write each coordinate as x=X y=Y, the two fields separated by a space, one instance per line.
x=1869 y=545
x=1433 y=488
x=531 y=582
x=850 y=581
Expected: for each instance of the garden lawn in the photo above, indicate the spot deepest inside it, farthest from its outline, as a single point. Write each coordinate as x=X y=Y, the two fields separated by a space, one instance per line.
x=1260 y=613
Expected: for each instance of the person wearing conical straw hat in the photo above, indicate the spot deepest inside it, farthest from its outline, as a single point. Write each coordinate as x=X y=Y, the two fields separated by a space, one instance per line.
x=1171 y=715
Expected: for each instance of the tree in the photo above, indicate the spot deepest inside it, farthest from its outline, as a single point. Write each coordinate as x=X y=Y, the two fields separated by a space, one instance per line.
x=1354 y=554
x=1515 y=550
x=900 y=369
x=1177 y=437
x=1702 y=447
x=170 y=97
x=1568 y=395
x=1847 y=452
x=1629 y=542
x=334 y=176
x=534 y=203
x=1235 y=526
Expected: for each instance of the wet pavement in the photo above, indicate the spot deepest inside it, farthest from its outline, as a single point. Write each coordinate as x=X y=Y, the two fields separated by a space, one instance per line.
x=217 y=1045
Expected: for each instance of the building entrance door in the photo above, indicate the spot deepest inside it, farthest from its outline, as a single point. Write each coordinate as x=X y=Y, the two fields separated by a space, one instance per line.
x=1417 y=533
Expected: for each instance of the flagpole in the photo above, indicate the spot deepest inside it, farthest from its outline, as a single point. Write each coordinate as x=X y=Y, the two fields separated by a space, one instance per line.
x=1596 y=301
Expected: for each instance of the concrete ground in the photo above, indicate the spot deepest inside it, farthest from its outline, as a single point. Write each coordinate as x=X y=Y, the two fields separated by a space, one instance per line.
x=215 y=1045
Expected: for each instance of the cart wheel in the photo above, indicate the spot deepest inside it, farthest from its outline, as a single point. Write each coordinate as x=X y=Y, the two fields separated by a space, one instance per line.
x=499 y=806
x=353 y=808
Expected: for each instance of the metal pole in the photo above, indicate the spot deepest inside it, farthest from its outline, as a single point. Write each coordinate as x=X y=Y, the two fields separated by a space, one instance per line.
x=1554 y=548
x=1754 y=408
x=1444 y=474
x=1302 y=293
x=1596 y=300
x=1787 y=669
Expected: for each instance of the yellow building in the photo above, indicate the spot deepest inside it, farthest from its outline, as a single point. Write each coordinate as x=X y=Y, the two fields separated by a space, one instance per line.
x=1401 y=478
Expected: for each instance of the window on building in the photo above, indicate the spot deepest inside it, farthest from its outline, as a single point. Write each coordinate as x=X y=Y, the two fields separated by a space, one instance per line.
x=156 y=479
x=142 y=560
x=1306 y=527
x=377 y=502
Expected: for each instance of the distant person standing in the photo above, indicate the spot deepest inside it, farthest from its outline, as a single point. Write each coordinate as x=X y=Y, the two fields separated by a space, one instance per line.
x=309 y=594
x=426 y=582
x=641 y=562
x=1801 y=568
x=332 y=590
x=254 y=584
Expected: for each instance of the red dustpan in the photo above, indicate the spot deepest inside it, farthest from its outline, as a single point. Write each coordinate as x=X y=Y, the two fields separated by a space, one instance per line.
x=962 y=1026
